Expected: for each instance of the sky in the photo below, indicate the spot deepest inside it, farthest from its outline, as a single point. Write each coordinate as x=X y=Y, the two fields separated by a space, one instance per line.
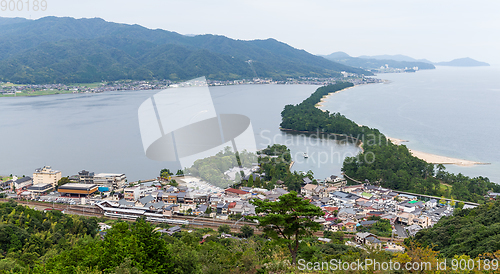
x=437 y=30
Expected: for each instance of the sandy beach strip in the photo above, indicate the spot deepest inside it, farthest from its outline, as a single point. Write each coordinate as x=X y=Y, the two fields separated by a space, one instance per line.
x=436 y=159
x=324 y=98
x=396 y=141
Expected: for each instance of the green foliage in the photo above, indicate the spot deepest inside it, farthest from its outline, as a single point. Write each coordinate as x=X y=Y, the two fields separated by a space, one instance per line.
x=336 y=237
x=211 y=169
x=287 y=220
x=165 y=173
x=247 y=231
x=28 y=236
x=381 y=228
x=173 y=182
x=63 y=181
x=224 y=229
x=469 y=231
x=275 y=162
x=306 y=117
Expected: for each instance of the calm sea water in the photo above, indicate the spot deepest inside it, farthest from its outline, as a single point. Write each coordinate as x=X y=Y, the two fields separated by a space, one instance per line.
x=448 y=111
x=100 y=132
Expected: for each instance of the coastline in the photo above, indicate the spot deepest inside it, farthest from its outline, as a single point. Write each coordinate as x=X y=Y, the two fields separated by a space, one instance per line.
x=436 y=159
x=324 y=98
x=428 y=157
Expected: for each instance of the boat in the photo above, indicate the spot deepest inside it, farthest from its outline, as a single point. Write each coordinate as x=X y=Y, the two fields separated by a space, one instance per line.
x=305 y=155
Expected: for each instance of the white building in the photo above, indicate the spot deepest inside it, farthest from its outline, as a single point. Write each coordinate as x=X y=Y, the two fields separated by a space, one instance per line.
x=20 y=183
x=110 y=179
x=46 y=175
x=132 y=193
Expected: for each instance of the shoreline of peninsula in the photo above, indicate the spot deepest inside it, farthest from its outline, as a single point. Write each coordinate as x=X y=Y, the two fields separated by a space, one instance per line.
x=428 y=157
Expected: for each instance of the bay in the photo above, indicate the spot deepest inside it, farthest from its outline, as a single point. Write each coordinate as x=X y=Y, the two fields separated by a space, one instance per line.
x=100 y=132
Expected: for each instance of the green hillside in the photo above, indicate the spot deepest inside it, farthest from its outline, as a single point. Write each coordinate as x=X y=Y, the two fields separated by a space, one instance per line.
x=470 y=231
x=63 y=50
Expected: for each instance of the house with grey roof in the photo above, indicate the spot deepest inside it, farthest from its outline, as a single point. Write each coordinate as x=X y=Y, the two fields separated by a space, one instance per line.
x=144 y=200
x=200 y=209
x=155 y=206
x=413 y=229
x=306 y=180
x=346 y=212
x=368 y=239
x=125 y=203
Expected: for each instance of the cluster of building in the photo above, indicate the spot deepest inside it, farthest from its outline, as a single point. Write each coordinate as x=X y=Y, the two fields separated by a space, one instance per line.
x=349 y=207
x=163 y=84
x=111 y=86
x=191 y=197
x=388 y=69
x=46 y=179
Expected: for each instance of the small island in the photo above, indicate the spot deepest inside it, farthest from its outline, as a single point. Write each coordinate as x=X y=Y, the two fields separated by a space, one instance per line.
x=463 y=62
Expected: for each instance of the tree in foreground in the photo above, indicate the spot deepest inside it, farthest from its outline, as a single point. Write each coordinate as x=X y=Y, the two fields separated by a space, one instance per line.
x=247 y=231
x=287 y=220
x=224 y=229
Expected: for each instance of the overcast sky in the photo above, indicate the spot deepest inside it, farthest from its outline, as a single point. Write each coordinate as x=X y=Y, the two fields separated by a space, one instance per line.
x=437 y=30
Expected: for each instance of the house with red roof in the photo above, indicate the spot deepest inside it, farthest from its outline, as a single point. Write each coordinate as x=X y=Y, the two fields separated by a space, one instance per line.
x=237 y=193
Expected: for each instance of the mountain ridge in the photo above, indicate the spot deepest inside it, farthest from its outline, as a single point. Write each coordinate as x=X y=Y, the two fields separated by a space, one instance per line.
x=395 y=57
x=463 y=62
x=375 y=64
x=43 y=51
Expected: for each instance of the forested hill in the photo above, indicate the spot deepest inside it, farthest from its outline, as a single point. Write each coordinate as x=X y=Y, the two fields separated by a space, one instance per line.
x=470 y=231
x=54 y=49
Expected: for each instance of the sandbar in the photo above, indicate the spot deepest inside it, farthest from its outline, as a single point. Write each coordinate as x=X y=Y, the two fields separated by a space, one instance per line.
x=436 y=159
x=324 y=98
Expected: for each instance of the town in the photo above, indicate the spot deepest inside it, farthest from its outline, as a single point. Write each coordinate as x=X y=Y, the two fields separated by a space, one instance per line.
x=176 y=199
x=9 y=89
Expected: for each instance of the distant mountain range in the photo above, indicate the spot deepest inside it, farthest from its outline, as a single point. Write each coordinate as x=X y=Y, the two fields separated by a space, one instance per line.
x=375 y=62
x=369 y=61
x=397 y=57
x=68 y=50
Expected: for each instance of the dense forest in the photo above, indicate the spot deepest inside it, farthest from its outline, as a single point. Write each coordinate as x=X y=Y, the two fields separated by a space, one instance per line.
x=469 y=231
x=306 y=117
x=274 y=162
x=29 y=237
x=393 y=166
x=68 y=50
